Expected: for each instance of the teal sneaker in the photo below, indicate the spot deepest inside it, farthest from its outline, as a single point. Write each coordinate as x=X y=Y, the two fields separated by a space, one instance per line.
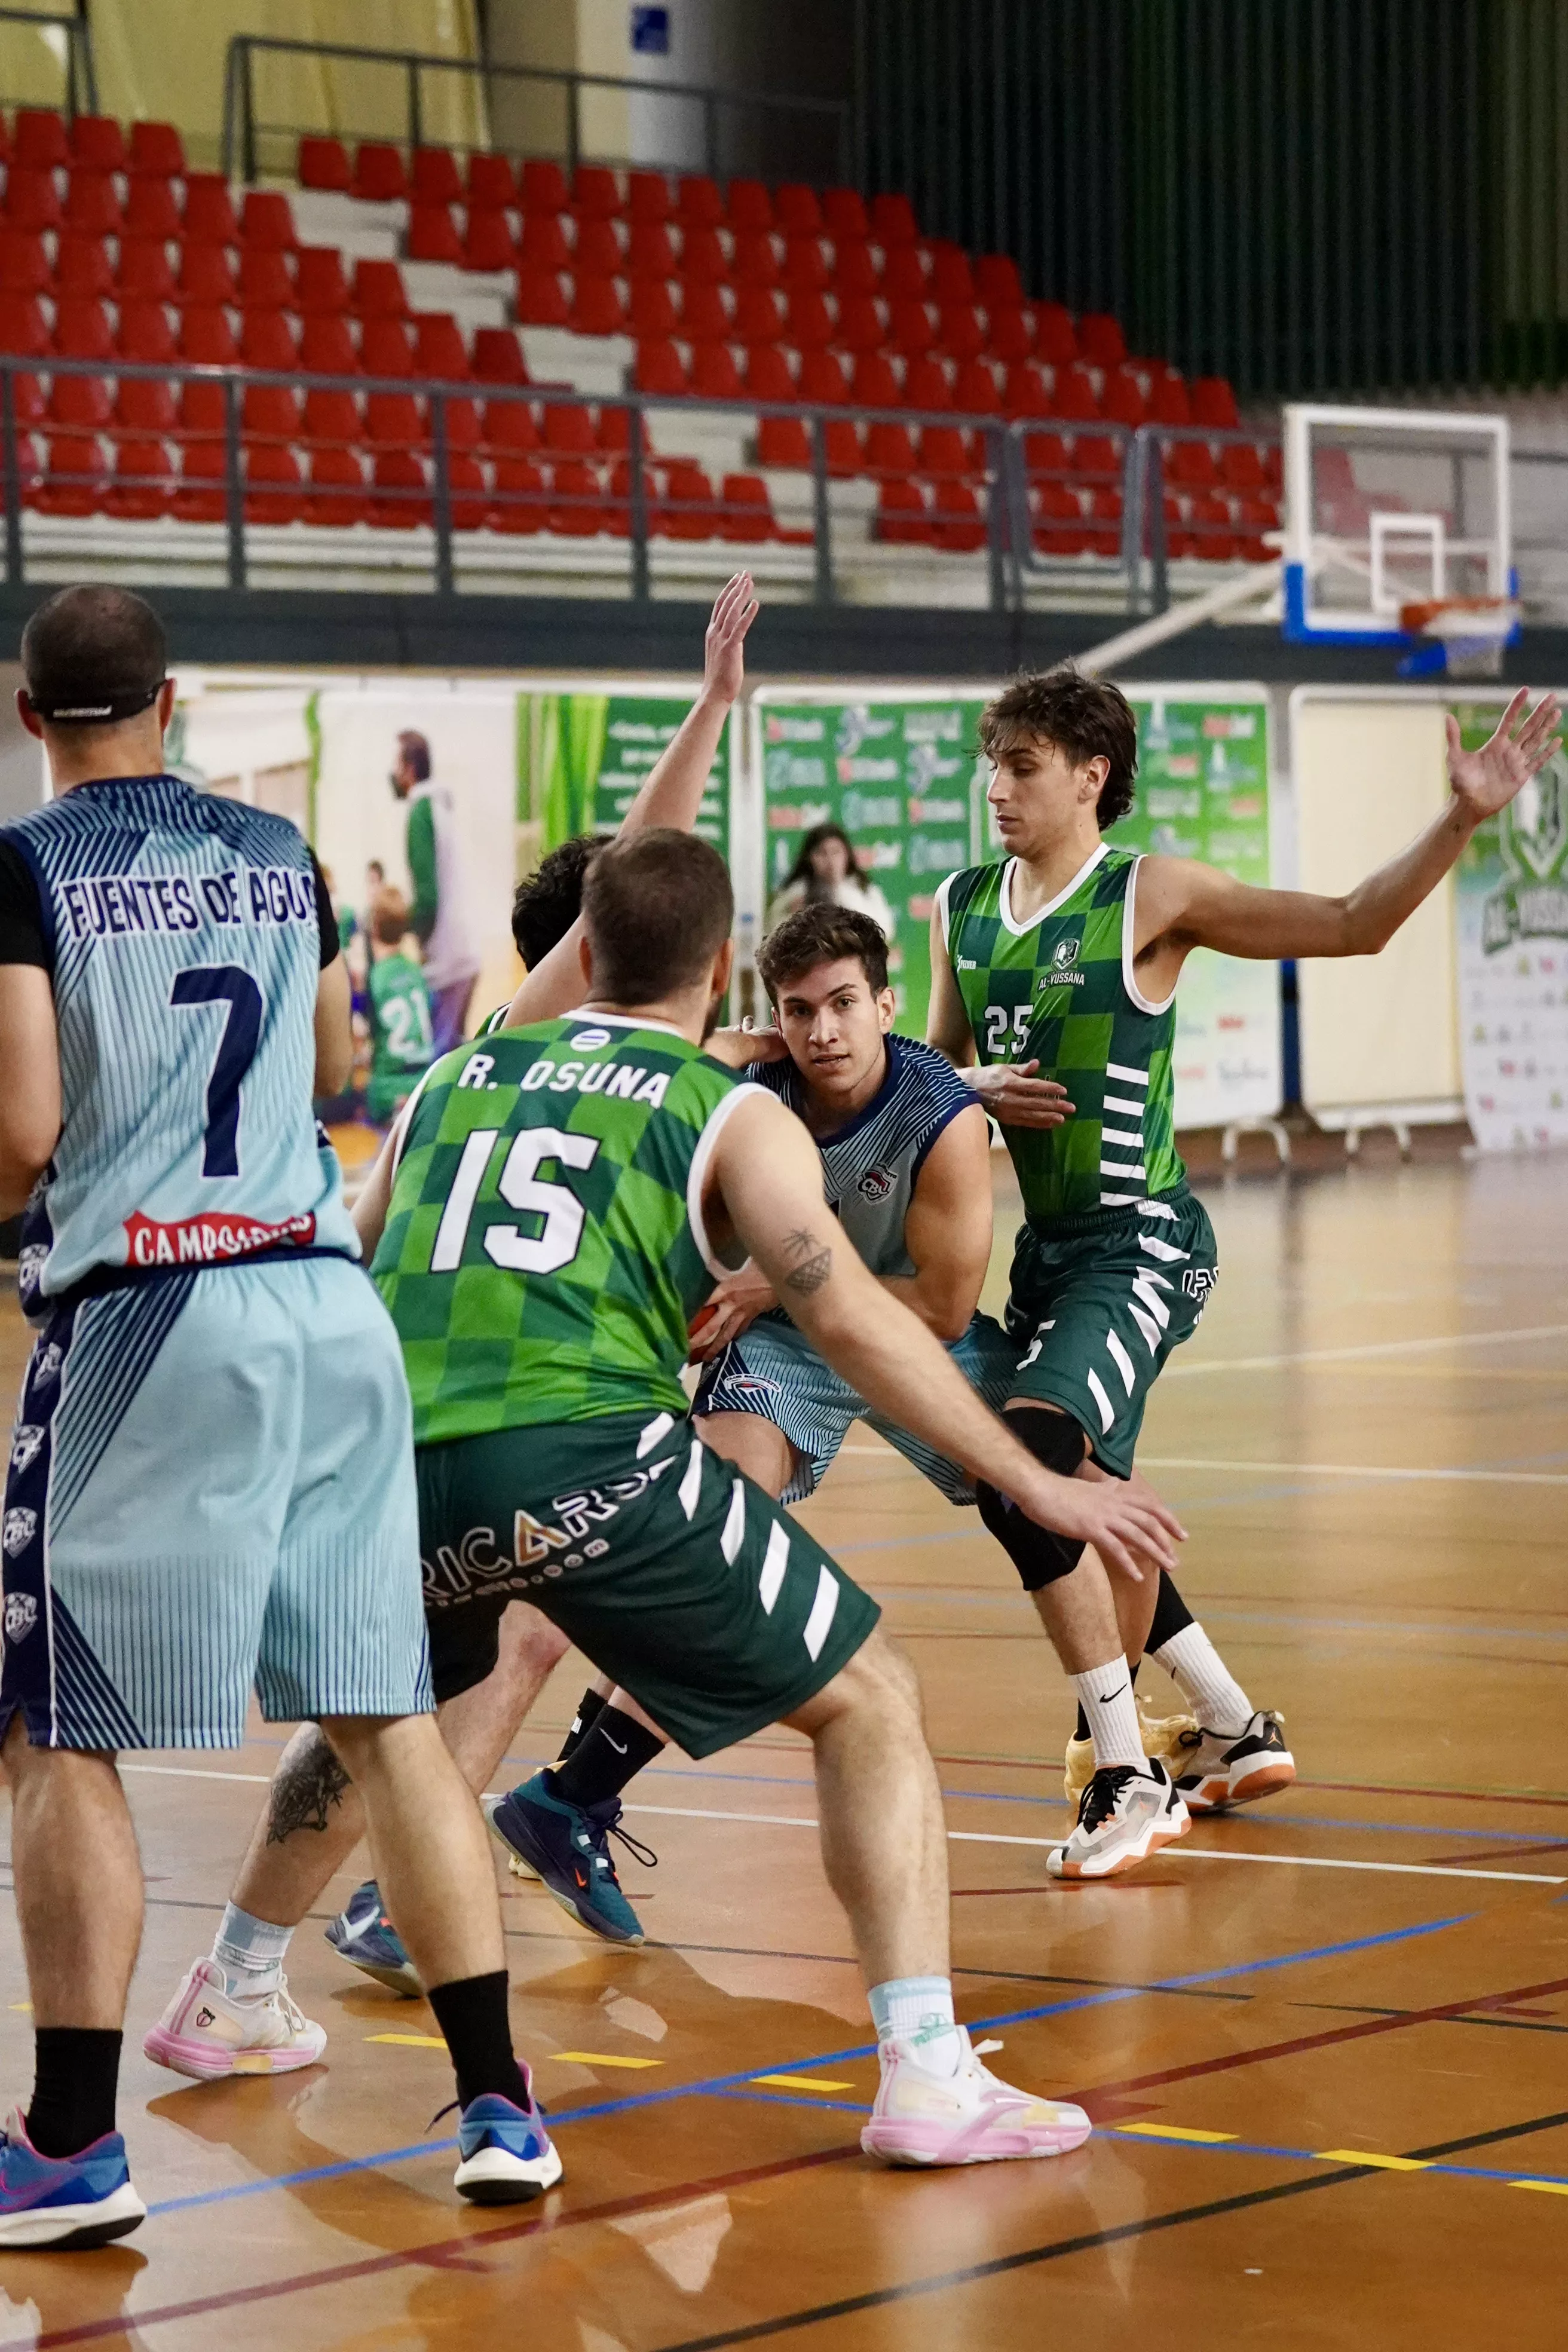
x=567 y=1847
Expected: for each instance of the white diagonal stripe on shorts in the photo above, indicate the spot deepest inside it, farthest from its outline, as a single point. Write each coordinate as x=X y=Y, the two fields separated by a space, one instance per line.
x=822 y=1612
x=1122 y=1135
x=776 y=1559
x=1121 y=1359
x=690 y=1484
x=1156 y=1209
x=1149 y=1329
x=1121 y=1102
x=1097 y=1390
x=734 y=1533
x=1165 y=1250
x=1144 y=1288
x=659 y=1427
x=1123 y=1168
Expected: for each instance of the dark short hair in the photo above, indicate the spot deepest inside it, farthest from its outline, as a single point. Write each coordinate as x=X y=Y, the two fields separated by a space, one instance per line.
x=658 y=908
x=416 y=753
x=546 y=906
x=1085 y=718
x=819 y=933
x=803 y=869
x=93 y=655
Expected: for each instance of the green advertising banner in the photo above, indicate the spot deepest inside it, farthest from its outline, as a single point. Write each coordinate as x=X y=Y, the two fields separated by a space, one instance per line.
x=1511 y=908
x=584 y=756
x=902 y=774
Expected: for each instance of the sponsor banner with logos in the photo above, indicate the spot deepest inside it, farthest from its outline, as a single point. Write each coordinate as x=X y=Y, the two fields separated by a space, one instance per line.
x=1511 y=912
x=900 y=770
x=584 y=755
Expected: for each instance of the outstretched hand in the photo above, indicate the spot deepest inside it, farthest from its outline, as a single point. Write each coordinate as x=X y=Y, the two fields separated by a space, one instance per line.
x=724 y=658
x=1485 y=780
x=1130 y=1529
x=1014 y=1096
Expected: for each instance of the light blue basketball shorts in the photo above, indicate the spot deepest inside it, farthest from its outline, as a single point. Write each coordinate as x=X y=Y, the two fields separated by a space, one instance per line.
x=211 y=1489
x=773 y=1371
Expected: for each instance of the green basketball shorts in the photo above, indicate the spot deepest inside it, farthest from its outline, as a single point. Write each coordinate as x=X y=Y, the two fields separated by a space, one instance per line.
x=1097 y=1304
x=659 y=1561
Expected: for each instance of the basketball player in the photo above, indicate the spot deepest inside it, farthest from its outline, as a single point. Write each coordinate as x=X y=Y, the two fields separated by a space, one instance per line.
x=1055 y=970
x=211 y=1479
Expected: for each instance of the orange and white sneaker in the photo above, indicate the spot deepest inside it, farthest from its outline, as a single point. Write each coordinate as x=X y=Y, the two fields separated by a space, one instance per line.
x=1215 y=1769
x=207 y=2033
x=969 y=2118
x=1123 y=1817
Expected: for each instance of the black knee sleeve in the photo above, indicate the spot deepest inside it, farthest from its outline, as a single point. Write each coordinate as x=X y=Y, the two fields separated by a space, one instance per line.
x=1056 y=1440
x=1171 y=1614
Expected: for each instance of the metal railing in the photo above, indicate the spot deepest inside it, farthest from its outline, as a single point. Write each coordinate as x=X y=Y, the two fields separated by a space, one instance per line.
x=244 y=129
x=80 y=90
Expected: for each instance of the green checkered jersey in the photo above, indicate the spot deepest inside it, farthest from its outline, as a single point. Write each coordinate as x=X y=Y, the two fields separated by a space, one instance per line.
x=1059 y=990
x=544 y=1252
x=400 y=1034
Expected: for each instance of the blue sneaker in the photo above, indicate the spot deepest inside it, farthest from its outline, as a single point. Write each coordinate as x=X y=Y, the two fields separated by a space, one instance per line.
x=364 y=1936
x=504 y=2153
x=568 y=1847
x=64 y=2202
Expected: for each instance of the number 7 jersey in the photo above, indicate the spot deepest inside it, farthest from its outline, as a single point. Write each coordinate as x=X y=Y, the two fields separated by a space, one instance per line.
x=544 y=1250
x=1061 y=989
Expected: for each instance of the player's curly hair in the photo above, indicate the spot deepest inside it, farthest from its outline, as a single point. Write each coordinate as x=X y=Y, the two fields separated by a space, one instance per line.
x=546 y=906
x=1084 y=718
x=819 y=933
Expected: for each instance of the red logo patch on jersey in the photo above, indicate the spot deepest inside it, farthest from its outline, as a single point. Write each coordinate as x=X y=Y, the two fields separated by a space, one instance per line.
x=876 y=1184
x=211 y=1239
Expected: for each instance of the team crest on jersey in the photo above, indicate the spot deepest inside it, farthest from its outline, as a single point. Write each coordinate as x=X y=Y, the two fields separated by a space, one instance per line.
x=876 y=1184
x=588 y=1041
x=47 y=1364
x=26 y=1445
x=21 y=1615
x=20 y=1528
x=753 y=1384
x=1067 y=952
x=30 y=1265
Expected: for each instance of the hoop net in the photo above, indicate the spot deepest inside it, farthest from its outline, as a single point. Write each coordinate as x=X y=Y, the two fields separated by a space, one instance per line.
x=1471 y=631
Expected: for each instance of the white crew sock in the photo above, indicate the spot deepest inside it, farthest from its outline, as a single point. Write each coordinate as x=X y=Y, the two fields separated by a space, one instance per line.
x=249 y=1952
x=1105 y=1694
x=919 y=2011
x=1205 y=1682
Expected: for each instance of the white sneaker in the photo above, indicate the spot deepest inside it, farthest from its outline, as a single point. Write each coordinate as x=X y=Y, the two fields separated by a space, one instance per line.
x=1216 y=1769
x=208 y=2032
x=1124 y=1817
x=1163 y=1736
x=969 y=2118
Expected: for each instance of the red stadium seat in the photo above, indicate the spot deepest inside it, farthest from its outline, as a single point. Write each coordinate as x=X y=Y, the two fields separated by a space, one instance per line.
x=902 y=517
x=435 y=179
x=750 y=206
x=1122 y=401
x=143 y=274
x=24 y=261
x=544 y=186
x=157 y=152
x=324 y=163
x=910 y=329
x=1024 y=391
x=1100 y=341
x=82 y=330
x=1072 y=396
x=747 y=514
x=686 y=510
x=379 y=177
x=576 y=508
x=858 y=327
x=433 y=234
x=841 y=447
x=699 y=205
x=1241 y=468
x=768 y=374
x=1058 y=526
x=150 y=208
x=844 y=215
x=796 y=210
x=754 y=262
x=269 y=412
x=650 y=250
x=92 y=204
x=266 y=280
x=904 y=274
x=926 y=385
x=509 y=428
x=1007 y=335
x=647 y=197
x=568 y=429
x=440 y=353
x=518 y=500
x=395 y=420
x=207 y=339
x=1214 y=404
x=889 y=450
x=942 y=449
x=1055 y=342
x=704 y=313
x=703 y=257
x=951 y=279
x=1256 y=515
x=598 y=252
x=1096 y=457
x=335 y=498
x=400 y=492
x=266 y=341
x=145 y=333
x=469 y=498
x=541 y=298
x=961 y=331
x=386 y=347
x=265 y=219
x=806 y=267
x=651 y=308
x=596 y=193
x=657 y=368
x=1168 y=403
x=1105 y=521
x=142 y=483
x=960 y=526
x=84 y=402
x=873 y=381
x=782 y=442
x=82 y=267
x=974 y=390
x=759 y=315
x=1047 y=453
x=487 y=241
x=855 y=269
x=823 y=381
x=1190 y=463
x=272 y=478
x=209 y=209
x=1209 y=526
x=492 y=184
x=808 y=323
x=597 y=307
x=997 y=283
x=331 y=418
x=465 y=428
x=714 y=373
x=76 y=476
x=613 y=429
x=203 y=411
x=40 y=142
x=892 y=220
x=498 y=356
x=321 y=288
x=327 y=347
x=202 y=492
x=543 y=244
x=377 y=291
x=32 y=200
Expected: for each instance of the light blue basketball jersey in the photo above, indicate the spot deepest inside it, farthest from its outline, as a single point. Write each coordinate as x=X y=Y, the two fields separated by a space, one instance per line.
x=186 y=951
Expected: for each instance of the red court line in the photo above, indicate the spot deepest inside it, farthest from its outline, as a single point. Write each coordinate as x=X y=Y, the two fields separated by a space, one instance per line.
x=1324 y=2040
x=1502 y=1854
x=458 y=2253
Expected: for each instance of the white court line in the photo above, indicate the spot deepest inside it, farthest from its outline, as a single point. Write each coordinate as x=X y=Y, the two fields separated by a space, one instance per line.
x=1374 y=1347
x=1356 y=1470
x=993 y=1837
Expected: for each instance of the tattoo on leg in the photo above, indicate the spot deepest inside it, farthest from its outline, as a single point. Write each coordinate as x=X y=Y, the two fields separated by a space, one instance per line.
x=306 y=1788
x=817 y=1261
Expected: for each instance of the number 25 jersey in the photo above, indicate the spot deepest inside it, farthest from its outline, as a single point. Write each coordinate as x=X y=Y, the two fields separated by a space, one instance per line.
x=182 y=936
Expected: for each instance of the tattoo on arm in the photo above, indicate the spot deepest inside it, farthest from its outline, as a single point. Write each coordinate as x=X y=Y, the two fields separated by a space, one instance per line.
x=306 y=1788
x=814 y=1271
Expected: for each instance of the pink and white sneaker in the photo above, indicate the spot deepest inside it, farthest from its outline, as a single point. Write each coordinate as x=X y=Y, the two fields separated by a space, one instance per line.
x=969 y=2118
x=207 y=2033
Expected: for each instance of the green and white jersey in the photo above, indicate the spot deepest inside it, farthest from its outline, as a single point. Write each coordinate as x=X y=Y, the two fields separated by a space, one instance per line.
x=544 y=1252
x=400 y=1033
x=1060 y=990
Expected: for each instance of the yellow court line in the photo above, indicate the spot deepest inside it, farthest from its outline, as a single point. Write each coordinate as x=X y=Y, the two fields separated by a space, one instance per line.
x=1176 y=2131
x=1365 y=2155
x=1548 y=2187
x=801 y=2083
x=597 y=2058
x=411 y=2041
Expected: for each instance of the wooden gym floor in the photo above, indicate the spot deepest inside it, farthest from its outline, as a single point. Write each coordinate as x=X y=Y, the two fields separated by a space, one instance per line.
x=1325 y=2042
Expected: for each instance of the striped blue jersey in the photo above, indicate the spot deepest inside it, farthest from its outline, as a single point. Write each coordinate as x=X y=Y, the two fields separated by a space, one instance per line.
x=182 y=938
x=869 y=1165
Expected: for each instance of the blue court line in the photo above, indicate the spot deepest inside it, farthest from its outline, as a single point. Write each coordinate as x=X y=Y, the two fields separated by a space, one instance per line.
x=720 y=2085
x=1315 y=2156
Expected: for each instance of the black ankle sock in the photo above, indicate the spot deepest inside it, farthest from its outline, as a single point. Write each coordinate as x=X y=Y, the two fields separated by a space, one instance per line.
x=604 y=1760
x=77 y=2074
x=472 y=2014
x=590 y=1706
x=1171 y=1614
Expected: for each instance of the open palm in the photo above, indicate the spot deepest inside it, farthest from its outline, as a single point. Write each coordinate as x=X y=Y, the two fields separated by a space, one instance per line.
x=1486 y=779
x=725 y=657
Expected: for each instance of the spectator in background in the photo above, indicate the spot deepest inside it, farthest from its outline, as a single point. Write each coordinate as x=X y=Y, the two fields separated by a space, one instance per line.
x=443 y=915
x=402 y=1043
x=827 y=868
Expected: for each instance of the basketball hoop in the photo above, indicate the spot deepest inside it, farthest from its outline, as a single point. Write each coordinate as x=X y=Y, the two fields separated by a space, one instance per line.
x=1461 y=637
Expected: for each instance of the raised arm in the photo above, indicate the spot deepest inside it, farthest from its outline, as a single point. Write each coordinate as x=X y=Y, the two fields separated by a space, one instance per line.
x=767 y=1178
x=1182 y=905
x=29 y=1082
x=672 y=793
